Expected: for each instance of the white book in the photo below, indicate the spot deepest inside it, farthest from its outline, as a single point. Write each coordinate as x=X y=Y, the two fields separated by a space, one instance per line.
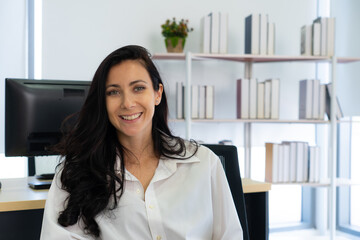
x=263 y=33
x=322 y=101
x=271 y=39
x=323 y=35
x=223 y=36
x=306 y=40
x=252 y=98
x=311 y=164
x=260 y=100
x=317 y=165
x=252 y=34
x=275 y=96
x=299 y=161
x=316 y=99
x=215 y=26
x=243 y=98
x=179 y=100
x=338 y=112
x=305 y=99
x=306 y=162
x=316 y=39
x=330 y=36
x=292 y=160
x=209 y=102
x=286 y=162
x=267 y=99
x=281 y=163
x=206 y=24
x=202 y=104
x=195 y=101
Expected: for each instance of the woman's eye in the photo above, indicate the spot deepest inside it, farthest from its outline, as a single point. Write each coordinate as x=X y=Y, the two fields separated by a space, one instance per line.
x=112 y=92
x=137 y=89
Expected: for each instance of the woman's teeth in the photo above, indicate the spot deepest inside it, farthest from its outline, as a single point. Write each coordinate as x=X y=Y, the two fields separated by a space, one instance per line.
x=131 y=117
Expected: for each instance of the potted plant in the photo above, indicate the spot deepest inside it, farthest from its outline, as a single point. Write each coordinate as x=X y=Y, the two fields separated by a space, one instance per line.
x=175 y=34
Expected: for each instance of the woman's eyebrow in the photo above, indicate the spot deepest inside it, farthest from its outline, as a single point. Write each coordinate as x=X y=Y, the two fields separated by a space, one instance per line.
x=130 y=84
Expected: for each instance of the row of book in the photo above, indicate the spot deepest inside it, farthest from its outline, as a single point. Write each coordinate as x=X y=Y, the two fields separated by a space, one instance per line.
x=259 y=35
x=292 y=161
x=257 y=100
x=215 y=32
x=202 y=101
x=318 y=39
x=314 y=100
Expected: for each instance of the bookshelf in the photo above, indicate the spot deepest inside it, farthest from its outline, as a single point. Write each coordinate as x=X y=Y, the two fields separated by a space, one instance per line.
x=249 y=60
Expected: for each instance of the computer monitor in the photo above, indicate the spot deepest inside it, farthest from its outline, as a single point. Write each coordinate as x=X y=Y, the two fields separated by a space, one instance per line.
x=35 y=110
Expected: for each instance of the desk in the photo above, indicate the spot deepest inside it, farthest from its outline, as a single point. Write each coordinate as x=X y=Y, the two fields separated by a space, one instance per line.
x=21 y=209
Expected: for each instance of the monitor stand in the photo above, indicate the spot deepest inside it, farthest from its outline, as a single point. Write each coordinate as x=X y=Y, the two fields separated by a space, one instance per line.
x=31 y=170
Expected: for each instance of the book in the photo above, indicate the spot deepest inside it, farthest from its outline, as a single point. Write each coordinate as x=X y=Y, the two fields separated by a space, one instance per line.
x=316 y=39
x=330 y=36
x=305 y=177
x=275 y=97
x=202 y=104
x=252 y=98
x=292 y=160
x=214 y=32
x=242 y=98
x=260 y=100
x=300 y=146
x=271 y=162
x=209 y=101
x=195 y=101
x=322 y=101
x=323 y=35
x=263 y=34
x=223 y=35
x=286 y=162
x=271 y=39
x=314 y=163
x=179 y=100
x=306 y=40
x=316 y=99
x=280 y=162
x=305 y=99
x=252 y=34
x=267 y=99
x=338 y=112
x=206 y=24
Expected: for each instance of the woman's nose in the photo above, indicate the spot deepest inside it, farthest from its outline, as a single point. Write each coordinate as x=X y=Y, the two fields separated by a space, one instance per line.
x=127 y=101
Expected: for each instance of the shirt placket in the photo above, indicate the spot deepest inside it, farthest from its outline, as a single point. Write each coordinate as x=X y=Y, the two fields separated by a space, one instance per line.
x=153 y=214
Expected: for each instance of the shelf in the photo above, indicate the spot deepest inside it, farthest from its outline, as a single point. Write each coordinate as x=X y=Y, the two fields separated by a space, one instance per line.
x=252 y=58
x=338 y=182
x=252 y=121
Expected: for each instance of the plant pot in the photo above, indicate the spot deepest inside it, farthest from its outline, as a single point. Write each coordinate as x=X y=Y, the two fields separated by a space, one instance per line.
x=175 y=44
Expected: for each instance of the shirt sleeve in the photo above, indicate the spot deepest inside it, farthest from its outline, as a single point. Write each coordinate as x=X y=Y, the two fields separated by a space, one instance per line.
x=226 y=224
x=51 y=229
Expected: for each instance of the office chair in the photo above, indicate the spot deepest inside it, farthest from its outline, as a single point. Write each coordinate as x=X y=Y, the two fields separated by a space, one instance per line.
x=229 y=159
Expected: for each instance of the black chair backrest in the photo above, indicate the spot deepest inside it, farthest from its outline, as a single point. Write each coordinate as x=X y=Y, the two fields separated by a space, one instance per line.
x=229 y=159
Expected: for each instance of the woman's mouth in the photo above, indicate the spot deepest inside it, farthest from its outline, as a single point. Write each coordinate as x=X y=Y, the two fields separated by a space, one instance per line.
x=131 y=117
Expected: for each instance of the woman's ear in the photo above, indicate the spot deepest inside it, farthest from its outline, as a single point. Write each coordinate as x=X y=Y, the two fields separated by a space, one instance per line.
x=158 y=94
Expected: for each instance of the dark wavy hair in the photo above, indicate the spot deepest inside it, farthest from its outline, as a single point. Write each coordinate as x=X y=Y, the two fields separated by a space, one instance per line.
x=90 y=148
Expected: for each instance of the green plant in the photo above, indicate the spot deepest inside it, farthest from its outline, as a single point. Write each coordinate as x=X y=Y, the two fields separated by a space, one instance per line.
x=174 y=30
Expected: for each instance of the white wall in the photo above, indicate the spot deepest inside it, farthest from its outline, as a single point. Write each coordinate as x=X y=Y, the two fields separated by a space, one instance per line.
x=347 y=42
x=12 y=64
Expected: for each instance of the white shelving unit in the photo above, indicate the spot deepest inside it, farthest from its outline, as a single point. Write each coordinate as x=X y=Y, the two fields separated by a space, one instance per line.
x=249 y=60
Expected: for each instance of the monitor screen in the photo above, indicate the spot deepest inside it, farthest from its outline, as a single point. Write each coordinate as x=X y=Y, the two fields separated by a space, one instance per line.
x=35 y=110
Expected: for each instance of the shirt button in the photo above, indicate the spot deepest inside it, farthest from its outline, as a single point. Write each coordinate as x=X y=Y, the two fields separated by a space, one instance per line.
x=138 y=191
x=158 y=238
x=151 y=206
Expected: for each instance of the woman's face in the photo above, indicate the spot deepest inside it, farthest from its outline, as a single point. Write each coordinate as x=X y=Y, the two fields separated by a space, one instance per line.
x=131 y=100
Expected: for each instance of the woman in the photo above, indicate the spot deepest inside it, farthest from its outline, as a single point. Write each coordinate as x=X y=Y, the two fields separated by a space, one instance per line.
x=125 y=176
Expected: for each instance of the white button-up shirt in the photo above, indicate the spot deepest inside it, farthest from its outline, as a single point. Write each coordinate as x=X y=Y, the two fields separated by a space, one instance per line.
x=186 y=199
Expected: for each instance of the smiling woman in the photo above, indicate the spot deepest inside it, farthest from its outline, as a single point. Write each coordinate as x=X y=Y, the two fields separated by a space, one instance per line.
x=125 y=176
